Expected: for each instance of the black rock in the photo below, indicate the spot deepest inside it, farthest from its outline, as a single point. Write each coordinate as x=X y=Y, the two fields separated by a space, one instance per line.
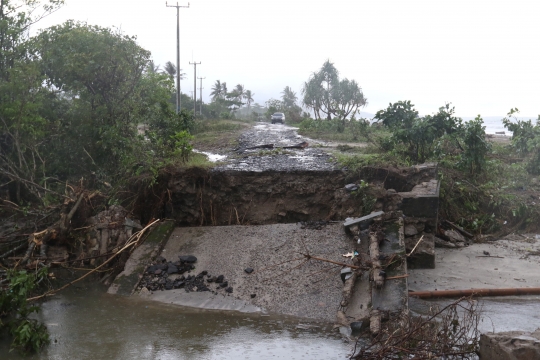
x=169 y=286
x=357 y=325
x=162 y=266
x=211 y=279
x=172 y=269
x=188 y=259
x=220 y=279
x=224 y=284
x=229 y=290
x=248 y=270
x=162 y=281
x=178 y=284
x=253 y=295
x=204 y=272
x=151 y=269
x=351 y=187
x=158 y=272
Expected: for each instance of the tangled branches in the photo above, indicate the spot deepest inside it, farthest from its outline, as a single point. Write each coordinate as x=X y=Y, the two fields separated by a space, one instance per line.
x=449 y=333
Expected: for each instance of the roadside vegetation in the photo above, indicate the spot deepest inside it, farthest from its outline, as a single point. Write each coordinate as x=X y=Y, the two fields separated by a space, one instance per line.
x=85 y=112
x=487 y=186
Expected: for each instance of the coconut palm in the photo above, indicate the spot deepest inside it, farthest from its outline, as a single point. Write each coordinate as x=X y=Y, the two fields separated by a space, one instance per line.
x=249 y=98
x=217 y=90
x=152 y=68
x=170 y=69
x=289 y=97
x=240 y=92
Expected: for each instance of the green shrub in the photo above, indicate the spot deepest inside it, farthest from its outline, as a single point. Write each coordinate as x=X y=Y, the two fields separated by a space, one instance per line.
x=28 y=334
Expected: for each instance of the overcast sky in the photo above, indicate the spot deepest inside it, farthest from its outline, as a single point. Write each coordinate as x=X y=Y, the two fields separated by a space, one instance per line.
x=482 y=56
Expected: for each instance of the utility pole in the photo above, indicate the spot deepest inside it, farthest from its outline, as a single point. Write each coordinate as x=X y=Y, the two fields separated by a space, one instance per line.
x=194 y=86
x=200 y=94
x=178 y=98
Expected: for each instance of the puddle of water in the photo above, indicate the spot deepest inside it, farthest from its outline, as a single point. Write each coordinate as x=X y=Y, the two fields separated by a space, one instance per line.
x=211 y=157
x=90 y=324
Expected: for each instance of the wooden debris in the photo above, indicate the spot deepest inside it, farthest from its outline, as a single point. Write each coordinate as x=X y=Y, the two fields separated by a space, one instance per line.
x=474 y=292
x=348 y=288
x=376 y=268
x=460 y=229
x=415 y=246
x=302 y=145
x=264 y=146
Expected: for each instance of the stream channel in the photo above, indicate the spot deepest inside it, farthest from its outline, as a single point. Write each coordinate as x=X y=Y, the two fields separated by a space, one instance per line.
x=85 y=322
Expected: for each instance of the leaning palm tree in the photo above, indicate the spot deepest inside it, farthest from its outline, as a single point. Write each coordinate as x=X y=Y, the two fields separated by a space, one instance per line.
x=249 y=98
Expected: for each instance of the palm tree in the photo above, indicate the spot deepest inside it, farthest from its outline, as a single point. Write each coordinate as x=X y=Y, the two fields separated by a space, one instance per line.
x=152 y=68
x=170 y=69
x=240 y=92
x=249 y=98
x=217 y=90
x=289 y=97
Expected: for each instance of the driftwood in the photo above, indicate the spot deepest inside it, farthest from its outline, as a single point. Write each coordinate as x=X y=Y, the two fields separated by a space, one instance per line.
x=376 y=268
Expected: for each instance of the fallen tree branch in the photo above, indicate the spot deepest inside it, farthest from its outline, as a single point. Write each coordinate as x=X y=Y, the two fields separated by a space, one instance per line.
x=133 y=240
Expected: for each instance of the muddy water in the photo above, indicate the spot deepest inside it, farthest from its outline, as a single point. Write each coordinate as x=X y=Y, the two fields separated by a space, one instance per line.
x=90 y=324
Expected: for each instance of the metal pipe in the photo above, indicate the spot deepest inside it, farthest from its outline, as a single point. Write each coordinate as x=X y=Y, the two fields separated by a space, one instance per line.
x=474 y=292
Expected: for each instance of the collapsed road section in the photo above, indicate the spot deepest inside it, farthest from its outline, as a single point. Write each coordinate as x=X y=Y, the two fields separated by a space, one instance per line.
x=268 y=249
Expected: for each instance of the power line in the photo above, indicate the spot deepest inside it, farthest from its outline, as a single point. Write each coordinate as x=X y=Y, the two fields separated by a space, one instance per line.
x=178 y=97
x=200 y=94
x=194 y=85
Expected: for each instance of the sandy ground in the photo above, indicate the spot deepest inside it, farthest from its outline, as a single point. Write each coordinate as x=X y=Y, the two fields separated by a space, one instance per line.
x=517 y=265
x=468 y=268
x=307 y=290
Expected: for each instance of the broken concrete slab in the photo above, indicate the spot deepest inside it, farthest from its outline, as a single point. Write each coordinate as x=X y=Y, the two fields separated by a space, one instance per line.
x=423 y=256
x=393 y=296
x=422 y=201
x=363 y=221
x=127 y=280
x=513 y=345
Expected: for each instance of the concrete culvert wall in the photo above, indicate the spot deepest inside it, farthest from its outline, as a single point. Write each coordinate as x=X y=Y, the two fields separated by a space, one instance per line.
x=207 y=197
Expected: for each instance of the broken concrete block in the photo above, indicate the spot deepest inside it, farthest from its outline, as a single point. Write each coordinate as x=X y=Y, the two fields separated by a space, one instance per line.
x=510 y=345
x=454 y=236
x=363 y=221
x=410 y=230
x=424 y=254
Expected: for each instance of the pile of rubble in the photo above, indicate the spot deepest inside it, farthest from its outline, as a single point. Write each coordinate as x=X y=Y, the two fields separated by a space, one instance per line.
x=163 y=275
